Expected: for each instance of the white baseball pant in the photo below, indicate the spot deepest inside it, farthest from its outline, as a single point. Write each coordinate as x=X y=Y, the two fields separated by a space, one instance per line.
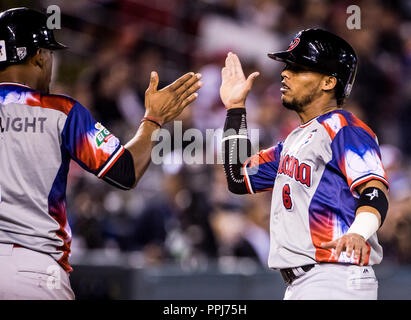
x=334 y=281
x=30 y=275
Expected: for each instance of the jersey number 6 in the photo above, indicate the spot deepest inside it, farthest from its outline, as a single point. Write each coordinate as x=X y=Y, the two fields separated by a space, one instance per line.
x=288 y=204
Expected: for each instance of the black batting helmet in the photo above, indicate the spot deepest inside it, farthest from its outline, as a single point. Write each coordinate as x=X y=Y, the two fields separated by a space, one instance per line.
x=324 y=52
x=22 y=32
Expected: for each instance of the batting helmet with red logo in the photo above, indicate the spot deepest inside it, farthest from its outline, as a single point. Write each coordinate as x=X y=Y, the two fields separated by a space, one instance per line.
x=324 y=52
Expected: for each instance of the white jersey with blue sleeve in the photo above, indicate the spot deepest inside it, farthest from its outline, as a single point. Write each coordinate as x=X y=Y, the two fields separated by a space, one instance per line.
x=313 y=176
x=40 y=135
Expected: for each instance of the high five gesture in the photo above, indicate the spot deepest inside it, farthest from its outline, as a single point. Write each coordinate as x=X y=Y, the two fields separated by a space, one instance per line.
x=235 y=86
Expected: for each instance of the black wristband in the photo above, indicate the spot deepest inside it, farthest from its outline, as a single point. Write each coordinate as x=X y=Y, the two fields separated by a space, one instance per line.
x=236 y=122
x=234 y=111
x=374 y=197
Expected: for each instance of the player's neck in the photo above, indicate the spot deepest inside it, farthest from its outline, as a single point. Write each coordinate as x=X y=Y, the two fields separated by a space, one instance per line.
x=20 y=75
x=317 y=108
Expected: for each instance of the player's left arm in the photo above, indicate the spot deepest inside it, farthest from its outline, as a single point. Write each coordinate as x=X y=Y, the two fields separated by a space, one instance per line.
x=98 y=151
x=373 y=199
x=357 y=156
x=370 y=214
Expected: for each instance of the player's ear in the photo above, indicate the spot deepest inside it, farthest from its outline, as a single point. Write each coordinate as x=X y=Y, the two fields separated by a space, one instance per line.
x=329 y=83
x=39 y=58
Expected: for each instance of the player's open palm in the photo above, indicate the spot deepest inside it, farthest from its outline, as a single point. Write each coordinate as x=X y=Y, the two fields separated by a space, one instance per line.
x=235 y=86
x=166 y=104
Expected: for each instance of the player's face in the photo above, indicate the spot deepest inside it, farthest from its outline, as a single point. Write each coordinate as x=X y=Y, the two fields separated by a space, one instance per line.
x=300 y=86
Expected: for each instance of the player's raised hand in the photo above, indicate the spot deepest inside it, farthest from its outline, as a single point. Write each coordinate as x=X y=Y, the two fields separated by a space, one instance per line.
x=350 y=243
x=166 y=104
x=235 y=86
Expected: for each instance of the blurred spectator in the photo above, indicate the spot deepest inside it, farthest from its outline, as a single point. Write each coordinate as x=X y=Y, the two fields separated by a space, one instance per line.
x=395 y=234
x=242 y=232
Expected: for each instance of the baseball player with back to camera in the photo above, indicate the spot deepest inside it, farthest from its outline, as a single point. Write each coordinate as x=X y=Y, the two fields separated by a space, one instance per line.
x=329 y=188
x=40 y=133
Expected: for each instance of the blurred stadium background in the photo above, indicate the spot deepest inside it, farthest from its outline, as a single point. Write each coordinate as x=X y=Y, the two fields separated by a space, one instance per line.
x=180 y=234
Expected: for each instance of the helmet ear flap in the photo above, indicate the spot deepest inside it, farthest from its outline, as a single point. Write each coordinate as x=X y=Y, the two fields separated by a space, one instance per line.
x=350 y=82
x=344 y=92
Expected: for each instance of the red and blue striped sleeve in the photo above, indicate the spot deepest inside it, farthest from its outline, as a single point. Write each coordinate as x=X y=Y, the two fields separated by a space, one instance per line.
x=358 y=157
x=356 y=153
x=260 y=170
x=89 y=143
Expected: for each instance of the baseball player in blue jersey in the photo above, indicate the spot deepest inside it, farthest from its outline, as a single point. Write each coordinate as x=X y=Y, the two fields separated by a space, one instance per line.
x=329 y=188
x=40 y=134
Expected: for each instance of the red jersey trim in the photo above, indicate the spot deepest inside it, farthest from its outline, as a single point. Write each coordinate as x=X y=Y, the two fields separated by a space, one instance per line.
x=15 y=84
x=367 y=178
x=307 y=123
x=247 y=179
x=111 y=162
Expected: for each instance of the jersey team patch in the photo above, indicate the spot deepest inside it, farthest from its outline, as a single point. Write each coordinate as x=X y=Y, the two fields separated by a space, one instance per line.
x=3 y=54
x=103 y=135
